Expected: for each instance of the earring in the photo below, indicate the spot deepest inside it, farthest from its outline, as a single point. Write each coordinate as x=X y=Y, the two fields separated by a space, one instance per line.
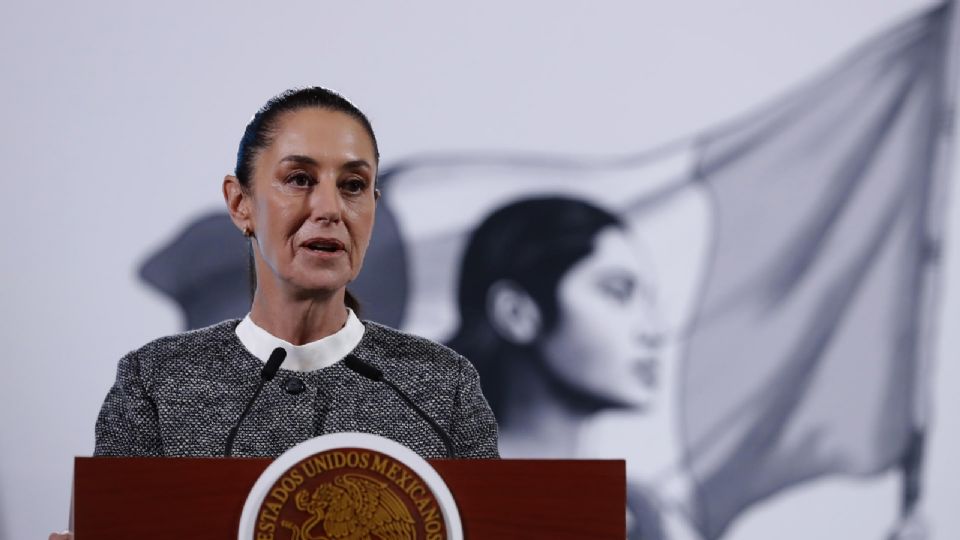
x=247 y=232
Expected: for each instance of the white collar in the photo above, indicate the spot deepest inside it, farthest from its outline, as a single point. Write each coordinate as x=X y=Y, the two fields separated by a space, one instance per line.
x=308 y=357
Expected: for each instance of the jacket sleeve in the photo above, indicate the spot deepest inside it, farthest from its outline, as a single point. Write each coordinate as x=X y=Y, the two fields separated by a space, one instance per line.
x=474 y=428
x=128 y=423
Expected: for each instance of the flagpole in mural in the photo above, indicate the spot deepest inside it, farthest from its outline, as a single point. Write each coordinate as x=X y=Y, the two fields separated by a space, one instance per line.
x=928 y=315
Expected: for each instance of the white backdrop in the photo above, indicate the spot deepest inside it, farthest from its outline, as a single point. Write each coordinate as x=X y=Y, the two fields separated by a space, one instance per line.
x=119 y=120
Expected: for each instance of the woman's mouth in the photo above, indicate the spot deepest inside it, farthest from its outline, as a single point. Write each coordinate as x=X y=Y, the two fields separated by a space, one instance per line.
x=324 y=245
x=647 y=369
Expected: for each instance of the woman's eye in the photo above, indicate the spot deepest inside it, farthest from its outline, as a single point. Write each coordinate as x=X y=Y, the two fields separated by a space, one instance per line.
x=619 y=288
x=354 y=185
x=300 y=180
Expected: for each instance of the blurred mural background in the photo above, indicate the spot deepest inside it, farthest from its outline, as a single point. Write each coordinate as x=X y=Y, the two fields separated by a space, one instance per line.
x=762 y=189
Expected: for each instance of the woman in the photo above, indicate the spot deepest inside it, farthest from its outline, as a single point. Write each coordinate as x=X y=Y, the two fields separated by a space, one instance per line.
x=558 y=311
x=304 y=193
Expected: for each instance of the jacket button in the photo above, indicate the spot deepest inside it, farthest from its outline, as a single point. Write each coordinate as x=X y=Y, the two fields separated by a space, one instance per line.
x=293 y=386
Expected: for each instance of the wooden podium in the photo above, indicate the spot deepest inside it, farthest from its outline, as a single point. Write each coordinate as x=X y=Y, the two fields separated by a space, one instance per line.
x=164 y=498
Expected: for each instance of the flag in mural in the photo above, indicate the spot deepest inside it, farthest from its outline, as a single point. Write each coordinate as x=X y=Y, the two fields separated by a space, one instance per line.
x=759 y=291
x=804 y=355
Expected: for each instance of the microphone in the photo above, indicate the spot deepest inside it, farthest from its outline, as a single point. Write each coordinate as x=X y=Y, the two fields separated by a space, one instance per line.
x=364 y=369
x=267 y=374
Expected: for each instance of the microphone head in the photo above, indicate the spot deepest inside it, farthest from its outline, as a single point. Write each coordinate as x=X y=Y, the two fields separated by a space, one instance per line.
x=273 y=364
x=362 y=368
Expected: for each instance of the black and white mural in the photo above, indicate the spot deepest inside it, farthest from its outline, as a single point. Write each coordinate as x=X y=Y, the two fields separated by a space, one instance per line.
x=717 y=239
x=757 y=298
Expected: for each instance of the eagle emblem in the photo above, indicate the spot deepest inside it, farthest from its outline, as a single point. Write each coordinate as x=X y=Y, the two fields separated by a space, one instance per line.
x=352 y=507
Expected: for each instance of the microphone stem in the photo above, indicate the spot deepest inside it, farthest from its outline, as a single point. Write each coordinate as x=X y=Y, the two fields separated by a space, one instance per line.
x=447 y=442
x=233 y=432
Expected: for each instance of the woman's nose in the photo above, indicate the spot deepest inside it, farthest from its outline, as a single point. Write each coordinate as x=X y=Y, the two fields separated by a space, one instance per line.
x=325 y=202
x=651 y=329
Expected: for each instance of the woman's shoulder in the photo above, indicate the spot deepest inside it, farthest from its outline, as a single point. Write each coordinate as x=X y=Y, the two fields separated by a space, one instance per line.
x=212 y=336
x=383 y=342
x=202 y=343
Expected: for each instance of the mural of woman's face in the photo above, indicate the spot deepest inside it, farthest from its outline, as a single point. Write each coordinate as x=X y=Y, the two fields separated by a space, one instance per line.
x=607 y=339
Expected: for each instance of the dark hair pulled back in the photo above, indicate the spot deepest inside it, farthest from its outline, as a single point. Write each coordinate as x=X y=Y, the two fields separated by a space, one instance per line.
x=262 y=128
x=533 y=243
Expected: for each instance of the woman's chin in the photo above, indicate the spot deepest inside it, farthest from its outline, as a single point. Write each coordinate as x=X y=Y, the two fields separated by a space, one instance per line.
x=317 y=288
x=638 y=401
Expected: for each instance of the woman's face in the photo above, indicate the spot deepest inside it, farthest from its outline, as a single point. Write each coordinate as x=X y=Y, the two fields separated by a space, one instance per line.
x=608 y=335
x=313 y=200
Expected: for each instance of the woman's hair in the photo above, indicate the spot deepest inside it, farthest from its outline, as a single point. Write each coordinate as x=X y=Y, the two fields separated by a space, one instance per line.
x=532 y=243
x=262 y=128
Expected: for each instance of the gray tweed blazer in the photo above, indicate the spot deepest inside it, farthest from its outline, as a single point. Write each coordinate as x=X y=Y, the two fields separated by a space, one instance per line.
x=180 y=395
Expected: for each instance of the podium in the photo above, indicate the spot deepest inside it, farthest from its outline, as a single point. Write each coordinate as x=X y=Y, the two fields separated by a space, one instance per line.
x=163 y=498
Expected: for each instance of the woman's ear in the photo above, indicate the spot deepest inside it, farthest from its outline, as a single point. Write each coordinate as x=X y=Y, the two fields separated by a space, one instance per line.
x=238 y=204
x=513 y=314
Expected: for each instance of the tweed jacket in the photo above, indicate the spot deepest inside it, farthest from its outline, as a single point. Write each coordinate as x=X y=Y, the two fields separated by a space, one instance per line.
x=180 y=395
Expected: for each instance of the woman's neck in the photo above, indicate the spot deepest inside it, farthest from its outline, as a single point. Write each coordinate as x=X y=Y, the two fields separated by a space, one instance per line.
x=538 y=422
x=298 y=320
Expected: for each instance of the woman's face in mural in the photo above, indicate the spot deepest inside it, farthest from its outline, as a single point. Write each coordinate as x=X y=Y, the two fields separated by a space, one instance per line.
x=608 y=335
